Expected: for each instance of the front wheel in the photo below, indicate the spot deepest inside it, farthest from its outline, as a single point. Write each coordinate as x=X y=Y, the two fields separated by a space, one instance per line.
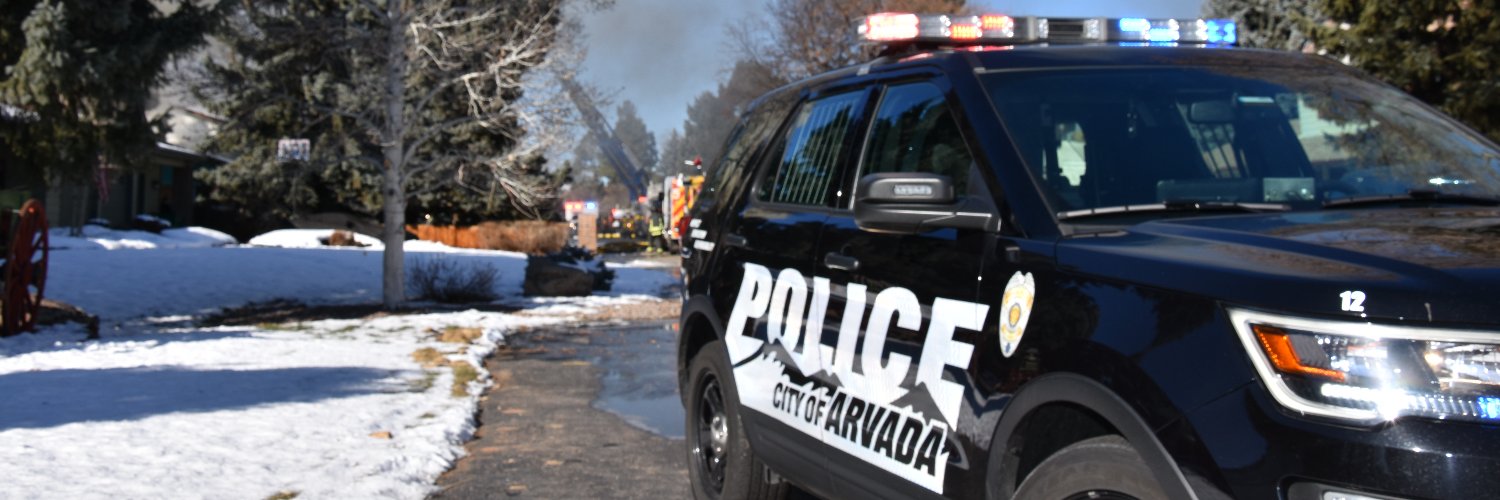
x=1104 y=467
x=720 y=462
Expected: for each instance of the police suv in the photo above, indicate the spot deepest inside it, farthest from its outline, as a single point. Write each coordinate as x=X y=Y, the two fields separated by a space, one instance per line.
x=1093 y=258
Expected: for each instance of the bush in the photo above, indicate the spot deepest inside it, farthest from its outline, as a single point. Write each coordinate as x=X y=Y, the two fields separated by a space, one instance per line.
x=442 y=280
x=584 y=259
x=526 y=236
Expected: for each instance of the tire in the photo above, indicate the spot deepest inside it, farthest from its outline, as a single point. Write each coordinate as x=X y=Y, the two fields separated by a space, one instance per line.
x=720 y=462
x=1101 y=467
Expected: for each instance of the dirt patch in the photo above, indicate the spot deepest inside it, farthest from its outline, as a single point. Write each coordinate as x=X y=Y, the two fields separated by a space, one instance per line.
x=429 y=357
x=459 y=335
x=291 y=311
x=463 y=373
x=53 y=312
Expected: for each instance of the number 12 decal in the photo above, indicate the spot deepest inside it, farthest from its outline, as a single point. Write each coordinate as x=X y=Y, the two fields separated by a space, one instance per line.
x=1354 y=301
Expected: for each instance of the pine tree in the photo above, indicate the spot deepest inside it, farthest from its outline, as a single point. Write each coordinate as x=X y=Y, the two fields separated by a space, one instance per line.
x=409 y=105
x=82 y=72
x=1440 y=52
x=713 y=115
x=631 y=131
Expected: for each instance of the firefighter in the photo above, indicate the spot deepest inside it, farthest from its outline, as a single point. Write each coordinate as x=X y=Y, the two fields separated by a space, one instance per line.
x=658 y=241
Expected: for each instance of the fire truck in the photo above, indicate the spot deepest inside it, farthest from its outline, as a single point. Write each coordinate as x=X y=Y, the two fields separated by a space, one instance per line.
x=678 y=195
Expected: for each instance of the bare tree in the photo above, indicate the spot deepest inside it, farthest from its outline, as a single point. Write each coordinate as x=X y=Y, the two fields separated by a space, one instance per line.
x=430 y=97
x=800 y=38
x=482 y=50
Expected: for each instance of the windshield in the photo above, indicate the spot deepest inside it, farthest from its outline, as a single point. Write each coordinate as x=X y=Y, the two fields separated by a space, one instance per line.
x=1117 y=137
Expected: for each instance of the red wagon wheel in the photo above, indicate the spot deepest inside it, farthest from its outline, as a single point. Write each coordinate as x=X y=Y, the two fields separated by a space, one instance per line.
x=26 y=270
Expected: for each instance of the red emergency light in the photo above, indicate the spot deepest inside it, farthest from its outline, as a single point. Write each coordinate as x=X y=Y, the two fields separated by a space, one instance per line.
x=890 y=26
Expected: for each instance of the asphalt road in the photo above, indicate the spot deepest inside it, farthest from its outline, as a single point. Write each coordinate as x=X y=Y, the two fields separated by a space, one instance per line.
x=567 y=417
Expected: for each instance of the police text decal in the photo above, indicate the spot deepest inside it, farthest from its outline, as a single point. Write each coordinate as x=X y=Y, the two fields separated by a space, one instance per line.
x=865 y=403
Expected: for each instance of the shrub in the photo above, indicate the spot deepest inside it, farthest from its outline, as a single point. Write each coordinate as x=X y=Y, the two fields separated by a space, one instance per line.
x=442 y=280
x=526 y=236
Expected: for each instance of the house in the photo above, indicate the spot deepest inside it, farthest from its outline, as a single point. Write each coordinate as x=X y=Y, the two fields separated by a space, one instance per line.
x=164 y=187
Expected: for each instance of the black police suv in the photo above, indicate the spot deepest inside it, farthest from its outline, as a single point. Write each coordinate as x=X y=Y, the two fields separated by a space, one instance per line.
x=1093 y=258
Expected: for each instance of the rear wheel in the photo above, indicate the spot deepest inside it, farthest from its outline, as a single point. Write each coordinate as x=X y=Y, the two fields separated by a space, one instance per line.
x=1105 y=467
x=720 y=461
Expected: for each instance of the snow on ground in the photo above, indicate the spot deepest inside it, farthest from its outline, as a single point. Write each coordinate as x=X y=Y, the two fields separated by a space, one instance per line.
x=151 y=282
x=161 y=407
x=308 y=238
x=100 y=237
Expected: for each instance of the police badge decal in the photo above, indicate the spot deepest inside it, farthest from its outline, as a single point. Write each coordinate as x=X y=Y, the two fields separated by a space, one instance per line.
x=1016 y=310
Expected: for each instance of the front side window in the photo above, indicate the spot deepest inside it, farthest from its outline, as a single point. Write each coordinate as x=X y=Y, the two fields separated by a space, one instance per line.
x=814 y=148
x=914 y=131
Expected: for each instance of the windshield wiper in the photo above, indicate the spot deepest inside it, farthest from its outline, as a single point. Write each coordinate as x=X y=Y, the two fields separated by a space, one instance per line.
x=1172 y=206
x=1414 y=195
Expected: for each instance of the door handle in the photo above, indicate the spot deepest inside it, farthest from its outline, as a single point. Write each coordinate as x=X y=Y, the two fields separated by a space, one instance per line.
x=736 y=240
x=841 y=262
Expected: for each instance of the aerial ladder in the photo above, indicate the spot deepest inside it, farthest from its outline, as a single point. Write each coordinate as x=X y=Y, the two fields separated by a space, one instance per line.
x=626 y=166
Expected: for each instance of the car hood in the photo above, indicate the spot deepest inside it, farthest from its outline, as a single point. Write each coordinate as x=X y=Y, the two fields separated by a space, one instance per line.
x=1411 y=265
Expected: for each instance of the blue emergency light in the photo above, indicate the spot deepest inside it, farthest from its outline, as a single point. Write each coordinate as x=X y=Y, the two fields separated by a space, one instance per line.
x=1489 y=407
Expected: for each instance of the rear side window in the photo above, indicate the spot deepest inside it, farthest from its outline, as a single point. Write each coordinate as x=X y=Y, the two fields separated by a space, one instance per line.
x=914 y=131
x=814 y=148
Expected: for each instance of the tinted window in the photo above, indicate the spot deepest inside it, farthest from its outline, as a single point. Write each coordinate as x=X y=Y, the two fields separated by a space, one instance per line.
x=1104 y=138
x=914 y=131
x=746 y=139
x=814 y=148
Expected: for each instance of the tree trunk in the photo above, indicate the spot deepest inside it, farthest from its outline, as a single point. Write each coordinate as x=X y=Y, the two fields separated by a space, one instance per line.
x=393 y=184
x=83 y=210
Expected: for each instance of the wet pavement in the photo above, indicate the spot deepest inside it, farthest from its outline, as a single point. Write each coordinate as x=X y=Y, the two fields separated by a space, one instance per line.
x=638 y=363
x=585 y=411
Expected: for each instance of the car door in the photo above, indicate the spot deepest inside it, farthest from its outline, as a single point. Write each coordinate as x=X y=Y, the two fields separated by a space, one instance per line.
x=770 y=245
x=906 y=310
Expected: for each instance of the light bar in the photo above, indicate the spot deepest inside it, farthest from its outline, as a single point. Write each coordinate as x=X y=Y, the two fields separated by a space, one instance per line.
x=996 y=29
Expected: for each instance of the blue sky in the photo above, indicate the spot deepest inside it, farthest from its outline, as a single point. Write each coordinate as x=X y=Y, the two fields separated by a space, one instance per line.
x=662 y=53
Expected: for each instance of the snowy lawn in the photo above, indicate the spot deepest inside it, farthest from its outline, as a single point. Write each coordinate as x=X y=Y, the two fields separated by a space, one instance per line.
x=164 y=407
x=103 y=238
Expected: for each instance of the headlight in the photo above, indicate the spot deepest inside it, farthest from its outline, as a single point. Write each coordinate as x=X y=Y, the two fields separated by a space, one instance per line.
x=1371 y=373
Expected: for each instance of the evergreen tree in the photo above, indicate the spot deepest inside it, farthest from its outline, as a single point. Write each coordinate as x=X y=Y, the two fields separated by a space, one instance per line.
x=674 y=151
x=410 y=105
x=713 y=115
x=1270 y=24
x=1439 y=51
x=81 y=73
x=631 y=131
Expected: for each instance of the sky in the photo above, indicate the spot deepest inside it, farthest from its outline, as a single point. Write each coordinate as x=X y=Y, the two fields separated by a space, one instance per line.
x=661 y=54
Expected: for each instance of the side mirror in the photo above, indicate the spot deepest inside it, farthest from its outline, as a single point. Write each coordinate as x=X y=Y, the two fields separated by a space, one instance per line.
x=911 y=202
